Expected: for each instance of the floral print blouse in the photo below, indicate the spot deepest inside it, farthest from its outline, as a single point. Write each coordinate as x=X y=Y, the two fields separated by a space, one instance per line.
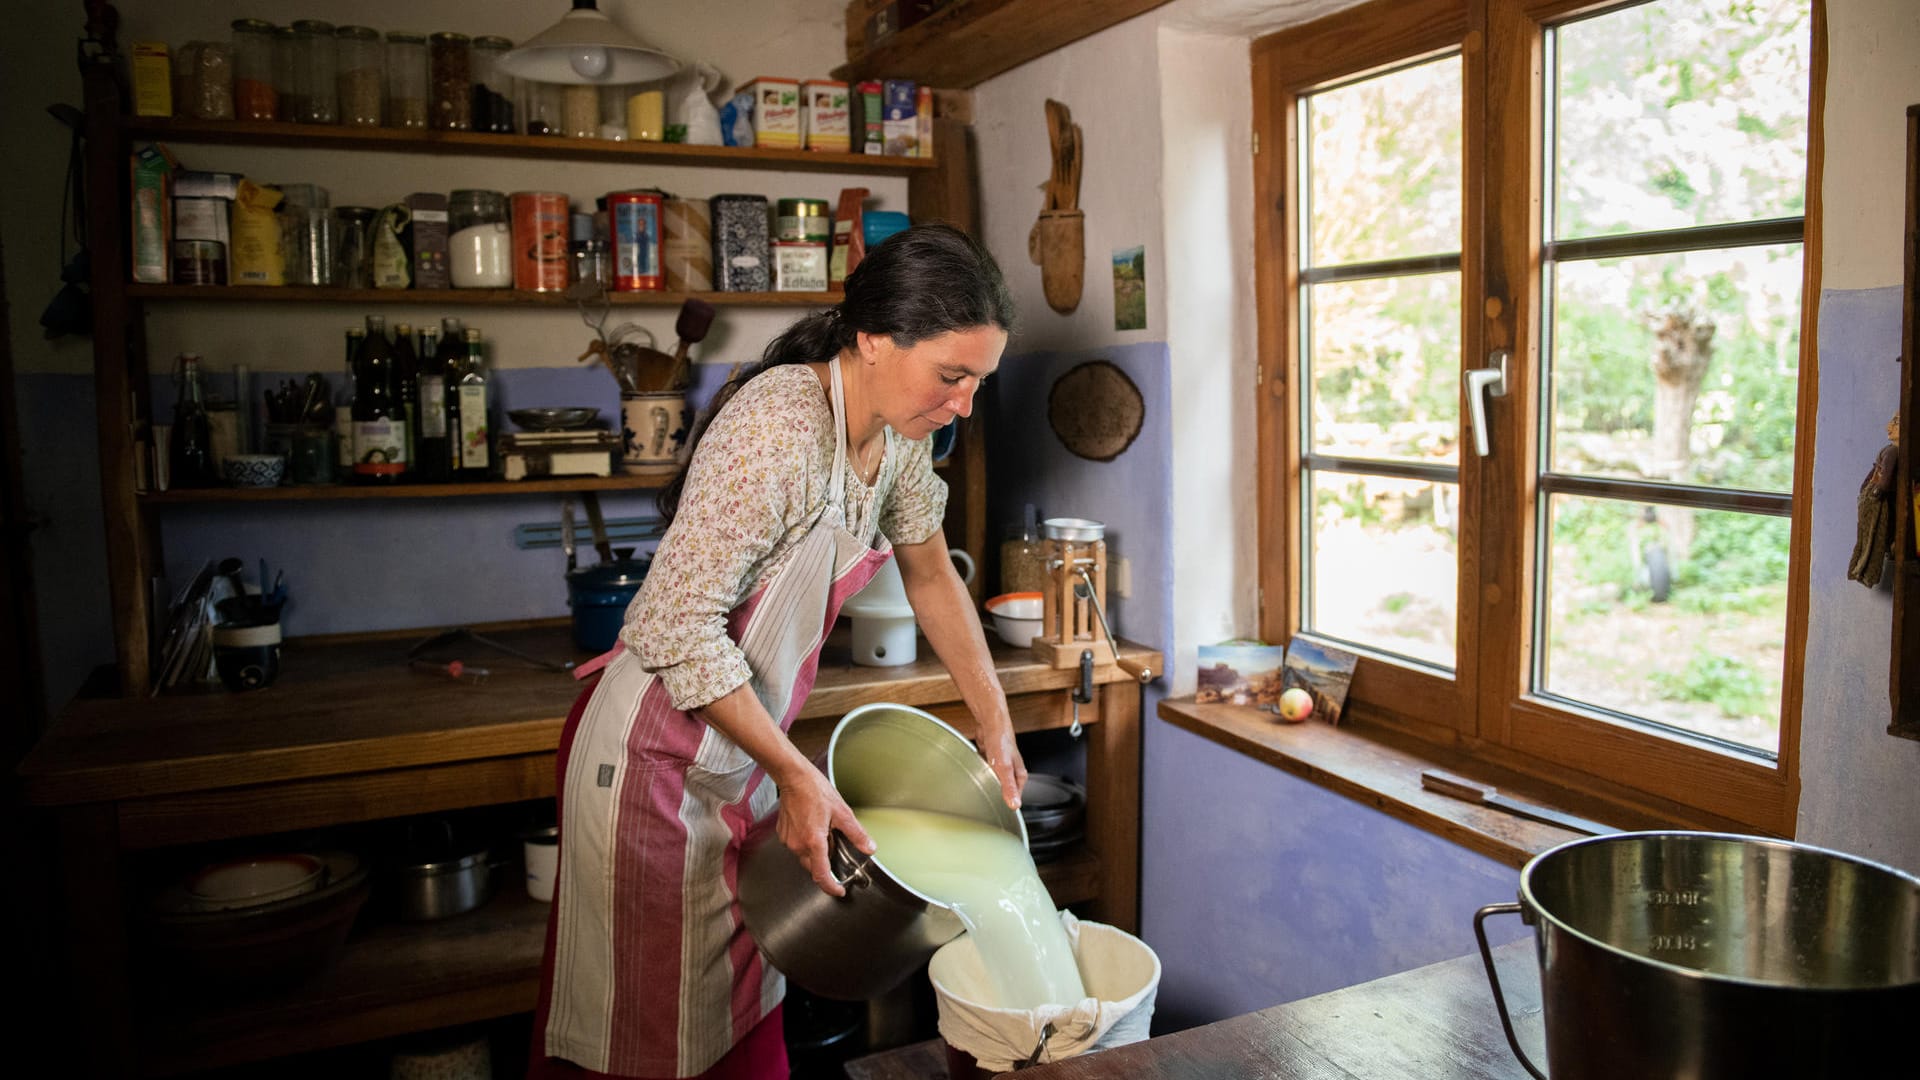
x=758 y=480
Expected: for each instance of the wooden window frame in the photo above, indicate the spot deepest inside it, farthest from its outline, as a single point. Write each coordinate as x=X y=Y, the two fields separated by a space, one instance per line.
x=1485 y=707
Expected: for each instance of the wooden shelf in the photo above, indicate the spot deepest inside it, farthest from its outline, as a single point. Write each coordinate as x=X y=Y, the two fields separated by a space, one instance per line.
x=392 y=978
x=651 y=480
x=315 y=294
x=332 y=137
x=1073 y=878
x=965 y=44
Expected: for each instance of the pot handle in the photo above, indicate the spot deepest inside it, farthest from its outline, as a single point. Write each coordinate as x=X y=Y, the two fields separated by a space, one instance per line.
x=848 y=863
x=1500 y=1002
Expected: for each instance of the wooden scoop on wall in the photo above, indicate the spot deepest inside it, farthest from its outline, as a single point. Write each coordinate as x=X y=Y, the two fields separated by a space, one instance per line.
x=1058 y=242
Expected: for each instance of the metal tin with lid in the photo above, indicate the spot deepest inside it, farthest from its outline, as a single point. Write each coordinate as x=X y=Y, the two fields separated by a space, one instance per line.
x=1083 y=530
x=802 y=221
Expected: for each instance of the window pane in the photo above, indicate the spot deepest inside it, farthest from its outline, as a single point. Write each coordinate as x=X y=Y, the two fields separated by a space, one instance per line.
x=1678 y=367
x=1383 y=158
x=1385 y=363
x=1681 y=113
x=1384 y=563
x=1677 y=616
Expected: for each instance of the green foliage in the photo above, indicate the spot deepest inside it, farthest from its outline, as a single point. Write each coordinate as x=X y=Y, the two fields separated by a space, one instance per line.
x=1737 y=689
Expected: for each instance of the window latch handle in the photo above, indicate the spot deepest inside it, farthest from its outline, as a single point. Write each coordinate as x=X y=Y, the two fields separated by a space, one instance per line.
x=1482 y=383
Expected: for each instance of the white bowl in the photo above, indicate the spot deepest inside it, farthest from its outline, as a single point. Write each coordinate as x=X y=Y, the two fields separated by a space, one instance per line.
x=248 y=882
x=1016 y=617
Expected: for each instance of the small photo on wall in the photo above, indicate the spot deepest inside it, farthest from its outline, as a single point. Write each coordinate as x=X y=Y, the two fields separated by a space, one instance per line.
x=1130 y=288
x=1323 y=672
x=1240 y=673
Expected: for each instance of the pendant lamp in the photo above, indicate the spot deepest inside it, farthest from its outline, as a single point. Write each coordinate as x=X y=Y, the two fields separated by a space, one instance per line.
x=586 y=47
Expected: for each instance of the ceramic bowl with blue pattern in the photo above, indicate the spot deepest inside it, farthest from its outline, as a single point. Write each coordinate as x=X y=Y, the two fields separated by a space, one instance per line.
x=255 y=470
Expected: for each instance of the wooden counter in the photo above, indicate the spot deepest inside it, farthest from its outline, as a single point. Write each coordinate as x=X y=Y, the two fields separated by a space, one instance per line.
x=1432 y=1023
x=349 y=733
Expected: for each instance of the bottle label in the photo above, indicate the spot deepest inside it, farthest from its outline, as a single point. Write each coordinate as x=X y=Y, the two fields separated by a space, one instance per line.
x=433 y=407
x=474 y=436
x=379 y=447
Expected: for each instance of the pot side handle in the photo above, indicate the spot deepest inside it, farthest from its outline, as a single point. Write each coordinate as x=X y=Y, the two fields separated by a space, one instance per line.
x=1493 y=978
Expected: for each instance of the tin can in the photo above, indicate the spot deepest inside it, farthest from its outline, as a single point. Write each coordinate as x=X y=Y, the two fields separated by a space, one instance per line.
x=799 y=268
x=802 y=221
x=686 y=245
x=540 y=241
x=199 y=262
x=634 y=217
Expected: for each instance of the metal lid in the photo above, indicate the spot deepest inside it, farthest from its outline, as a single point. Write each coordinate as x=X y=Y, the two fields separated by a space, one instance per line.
x=449 y=37
x=406 y=37
x=253 y=26
x=313 y=26
x=358 y=33
x=492 y=41
x=1073 y=529
x=611 y=575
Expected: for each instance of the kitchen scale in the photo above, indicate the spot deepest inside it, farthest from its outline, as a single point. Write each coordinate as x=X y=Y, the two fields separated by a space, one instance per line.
x=533 y=455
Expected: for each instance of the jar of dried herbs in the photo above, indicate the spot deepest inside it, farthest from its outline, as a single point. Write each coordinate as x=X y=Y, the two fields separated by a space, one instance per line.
x=315 y=67
x=450 y=67
x=362 y=78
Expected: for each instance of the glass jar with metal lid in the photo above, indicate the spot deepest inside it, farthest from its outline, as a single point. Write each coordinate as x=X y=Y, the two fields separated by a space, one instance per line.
x=254 y=95
x=315 y=66
x=287 y=76
x=406 y=79
x=493 y=92
x=450 y=73
x=479 y=241
x=362 y=76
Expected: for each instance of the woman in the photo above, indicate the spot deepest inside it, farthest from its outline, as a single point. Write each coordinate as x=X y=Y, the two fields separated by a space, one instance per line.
x=810 y=470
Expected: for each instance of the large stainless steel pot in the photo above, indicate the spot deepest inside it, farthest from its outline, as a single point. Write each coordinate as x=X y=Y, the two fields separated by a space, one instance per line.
x=1709 y=956
x=865 y=943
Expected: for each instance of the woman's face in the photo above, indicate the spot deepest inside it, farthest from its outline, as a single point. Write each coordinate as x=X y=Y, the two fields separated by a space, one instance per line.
x=922 y=388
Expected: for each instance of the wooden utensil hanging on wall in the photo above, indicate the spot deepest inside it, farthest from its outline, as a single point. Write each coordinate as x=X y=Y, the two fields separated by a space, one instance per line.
x=1058 y=242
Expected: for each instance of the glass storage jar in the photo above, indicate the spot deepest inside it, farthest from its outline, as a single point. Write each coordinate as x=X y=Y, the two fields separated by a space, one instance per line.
x=254 y=94
x=580 y=111
x=406 y=80
x=540 y=108
x=353 y=254
x=291 y=101
x=450 y=66
x=492 y=89
x=315 y=65
x=362 y=76
x=480 y=240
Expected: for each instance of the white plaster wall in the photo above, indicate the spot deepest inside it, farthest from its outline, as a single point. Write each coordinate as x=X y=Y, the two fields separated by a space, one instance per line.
x=1206 y=123
x=1111 y=82
x=1873 y=74
x=743 y=37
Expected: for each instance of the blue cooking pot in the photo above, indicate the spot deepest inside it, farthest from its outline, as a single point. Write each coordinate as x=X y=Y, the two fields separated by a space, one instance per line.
x=599 y=596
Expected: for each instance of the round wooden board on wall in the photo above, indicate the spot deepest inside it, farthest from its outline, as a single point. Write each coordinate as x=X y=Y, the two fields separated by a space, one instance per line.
x=1096 y=410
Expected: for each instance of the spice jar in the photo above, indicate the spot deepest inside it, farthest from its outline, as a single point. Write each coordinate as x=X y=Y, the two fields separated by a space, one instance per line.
x=1023 y=561
x=406 y=80
x=314 y=59
x=580 y=109
x=362 y=80
x=204 y=84
x=540 y=104
x=480 y=241
x=353 y=255
x=287 y=74
x=450 y=65
x=254 y=95
x=492 y=89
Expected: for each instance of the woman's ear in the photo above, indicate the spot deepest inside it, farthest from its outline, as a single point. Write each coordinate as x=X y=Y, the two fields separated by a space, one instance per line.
x=870 y=346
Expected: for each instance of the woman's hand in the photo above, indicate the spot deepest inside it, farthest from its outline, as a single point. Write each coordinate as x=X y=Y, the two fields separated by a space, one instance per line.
x=1003 y=757
x=810 y=808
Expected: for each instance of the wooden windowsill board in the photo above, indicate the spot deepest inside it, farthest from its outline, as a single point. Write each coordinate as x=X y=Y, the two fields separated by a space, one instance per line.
x=1381 y=769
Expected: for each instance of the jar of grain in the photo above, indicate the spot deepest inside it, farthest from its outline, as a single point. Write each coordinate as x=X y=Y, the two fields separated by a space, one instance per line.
x=362 y=76
x=580 y=107
x=450 y=66
x=254 y=95
x=406 y=79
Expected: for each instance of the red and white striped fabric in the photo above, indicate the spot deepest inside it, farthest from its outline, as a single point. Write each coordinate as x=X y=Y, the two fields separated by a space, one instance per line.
x=651 y=970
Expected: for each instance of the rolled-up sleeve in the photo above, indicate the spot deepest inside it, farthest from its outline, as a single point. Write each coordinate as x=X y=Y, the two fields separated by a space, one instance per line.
x=748 y=484
x=917 y=505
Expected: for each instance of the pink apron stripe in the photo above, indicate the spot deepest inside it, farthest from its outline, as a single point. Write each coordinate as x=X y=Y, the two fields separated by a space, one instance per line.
x=648 y=866
x=598 y=662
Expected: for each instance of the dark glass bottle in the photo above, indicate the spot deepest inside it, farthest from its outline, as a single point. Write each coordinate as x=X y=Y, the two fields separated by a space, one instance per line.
x=432 y=461
x=475 y=435
x=406 y=387
x=343 y=407
x=190 y=461
x=379 y=417
x=452 y=365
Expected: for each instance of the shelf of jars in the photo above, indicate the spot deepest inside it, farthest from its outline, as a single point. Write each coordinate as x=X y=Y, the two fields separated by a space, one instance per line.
x=320 y=294
x=649 y=480
x=545 y=147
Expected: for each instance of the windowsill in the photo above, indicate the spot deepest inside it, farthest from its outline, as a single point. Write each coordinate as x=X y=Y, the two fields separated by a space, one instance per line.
x=1381 y=769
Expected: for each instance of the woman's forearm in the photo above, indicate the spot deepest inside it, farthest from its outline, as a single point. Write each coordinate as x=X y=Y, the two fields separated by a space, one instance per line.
x=741 y=717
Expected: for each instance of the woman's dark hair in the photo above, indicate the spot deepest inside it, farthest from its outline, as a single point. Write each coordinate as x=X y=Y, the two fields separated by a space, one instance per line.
x=918 y=284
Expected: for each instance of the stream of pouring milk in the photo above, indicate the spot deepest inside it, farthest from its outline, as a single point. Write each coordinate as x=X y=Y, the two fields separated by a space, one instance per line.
x=988 y=878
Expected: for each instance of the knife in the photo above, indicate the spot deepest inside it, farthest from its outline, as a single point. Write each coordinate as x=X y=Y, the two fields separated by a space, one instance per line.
x=598 y=524
x=1461 y=788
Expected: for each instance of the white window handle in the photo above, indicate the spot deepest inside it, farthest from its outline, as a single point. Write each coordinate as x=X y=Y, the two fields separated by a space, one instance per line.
x=1481 y=381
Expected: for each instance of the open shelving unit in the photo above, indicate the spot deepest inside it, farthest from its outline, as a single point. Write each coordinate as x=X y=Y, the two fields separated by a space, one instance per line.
x=317 y=294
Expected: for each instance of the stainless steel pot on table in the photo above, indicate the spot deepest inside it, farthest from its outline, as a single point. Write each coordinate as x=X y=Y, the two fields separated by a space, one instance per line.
x=869 y=941
x=1710 y=956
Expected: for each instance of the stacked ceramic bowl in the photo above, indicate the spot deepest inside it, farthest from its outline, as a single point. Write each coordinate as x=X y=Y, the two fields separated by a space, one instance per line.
x=1055 y=811
x=268 y=919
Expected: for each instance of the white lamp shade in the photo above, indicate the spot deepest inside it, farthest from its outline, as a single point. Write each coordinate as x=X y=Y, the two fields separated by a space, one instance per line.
x=587 y=47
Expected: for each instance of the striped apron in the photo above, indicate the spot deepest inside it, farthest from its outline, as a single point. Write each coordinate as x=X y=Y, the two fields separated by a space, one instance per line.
x=651 y=972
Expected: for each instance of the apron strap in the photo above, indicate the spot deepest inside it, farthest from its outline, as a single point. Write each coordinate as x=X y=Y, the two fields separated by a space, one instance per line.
x=837 y=485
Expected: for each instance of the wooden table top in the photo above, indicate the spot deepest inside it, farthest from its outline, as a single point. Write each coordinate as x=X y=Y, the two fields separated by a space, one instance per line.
x=1432 y=1023
x=344 y=706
